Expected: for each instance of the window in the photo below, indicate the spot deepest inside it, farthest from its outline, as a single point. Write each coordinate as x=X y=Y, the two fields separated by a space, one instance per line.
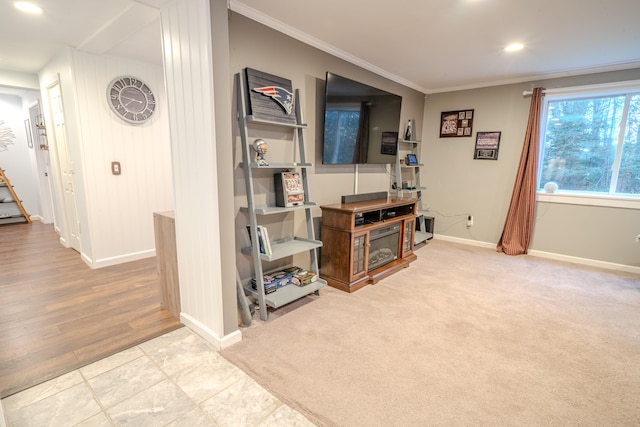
x=589 y=140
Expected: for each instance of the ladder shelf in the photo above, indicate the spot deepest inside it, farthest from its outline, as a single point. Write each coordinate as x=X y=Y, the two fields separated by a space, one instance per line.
x=411 y=146
x=288 y=246
x=11 y=209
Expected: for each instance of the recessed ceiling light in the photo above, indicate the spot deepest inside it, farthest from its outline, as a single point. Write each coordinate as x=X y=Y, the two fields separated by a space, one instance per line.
x=27 y=7
x=514 y=47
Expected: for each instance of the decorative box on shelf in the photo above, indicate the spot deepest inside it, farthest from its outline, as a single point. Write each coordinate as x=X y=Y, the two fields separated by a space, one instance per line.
x=289 y=189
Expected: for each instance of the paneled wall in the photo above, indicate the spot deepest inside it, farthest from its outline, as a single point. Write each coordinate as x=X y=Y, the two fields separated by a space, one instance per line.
x=190 y=73
x=115 y=211
x=120 y=207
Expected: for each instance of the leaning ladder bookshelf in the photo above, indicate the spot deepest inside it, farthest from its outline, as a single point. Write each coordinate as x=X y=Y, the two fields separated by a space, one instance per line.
x=421 y=235
x=8 y=197
x=284 y=247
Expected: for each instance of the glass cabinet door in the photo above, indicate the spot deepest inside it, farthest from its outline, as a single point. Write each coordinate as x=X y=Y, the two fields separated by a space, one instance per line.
x=358 y=266
x=407 y=237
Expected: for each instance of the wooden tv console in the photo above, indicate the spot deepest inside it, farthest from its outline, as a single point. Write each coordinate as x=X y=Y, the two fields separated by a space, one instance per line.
x=359 y=241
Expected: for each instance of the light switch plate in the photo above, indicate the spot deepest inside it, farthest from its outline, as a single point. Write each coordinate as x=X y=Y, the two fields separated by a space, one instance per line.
x=115 y=168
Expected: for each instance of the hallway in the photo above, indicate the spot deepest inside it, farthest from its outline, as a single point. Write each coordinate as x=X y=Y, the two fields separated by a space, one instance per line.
x=57 y=314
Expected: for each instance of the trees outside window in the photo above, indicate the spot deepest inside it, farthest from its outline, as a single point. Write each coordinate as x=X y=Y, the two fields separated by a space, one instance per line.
x=590 y=143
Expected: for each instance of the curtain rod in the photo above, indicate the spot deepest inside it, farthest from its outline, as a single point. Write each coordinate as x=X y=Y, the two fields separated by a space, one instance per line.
x=611 y=87
x=528 y=93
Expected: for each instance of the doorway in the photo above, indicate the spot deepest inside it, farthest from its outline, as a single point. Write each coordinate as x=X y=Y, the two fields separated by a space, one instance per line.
x=71 y=230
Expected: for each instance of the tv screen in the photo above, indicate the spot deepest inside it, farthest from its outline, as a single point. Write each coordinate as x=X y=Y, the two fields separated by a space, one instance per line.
x=361 y=123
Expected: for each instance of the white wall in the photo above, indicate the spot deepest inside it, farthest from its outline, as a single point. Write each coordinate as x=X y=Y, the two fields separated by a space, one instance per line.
x=115 y=212
x=17 y=161
x=120 y=207
x=198 y=98
x=17 y=79
x=458 y=185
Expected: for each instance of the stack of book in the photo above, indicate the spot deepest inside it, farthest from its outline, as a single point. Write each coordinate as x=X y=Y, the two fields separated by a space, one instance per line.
x=263 y=239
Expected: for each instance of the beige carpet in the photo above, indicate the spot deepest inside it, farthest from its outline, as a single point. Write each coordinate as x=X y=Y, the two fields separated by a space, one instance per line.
x=464 y=336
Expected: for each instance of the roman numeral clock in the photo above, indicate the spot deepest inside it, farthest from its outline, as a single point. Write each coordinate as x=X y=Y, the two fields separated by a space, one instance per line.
x=131 y=99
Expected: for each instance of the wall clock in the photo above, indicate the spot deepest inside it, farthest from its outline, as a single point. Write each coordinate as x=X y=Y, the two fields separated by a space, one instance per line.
x=131 y=99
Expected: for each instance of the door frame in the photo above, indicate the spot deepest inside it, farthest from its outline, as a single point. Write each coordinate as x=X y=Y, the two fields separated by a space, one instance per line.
x=63 y=170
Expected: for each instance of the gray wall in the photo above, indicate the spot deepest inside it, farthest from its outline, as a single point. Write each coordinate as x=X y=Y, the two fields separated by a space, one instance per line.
x=458 y=185
x=257 y=46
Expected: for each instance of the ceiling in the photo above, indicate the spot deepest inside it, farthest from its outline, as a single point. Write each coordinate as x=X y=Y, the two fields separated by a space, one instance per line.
x=429 y=45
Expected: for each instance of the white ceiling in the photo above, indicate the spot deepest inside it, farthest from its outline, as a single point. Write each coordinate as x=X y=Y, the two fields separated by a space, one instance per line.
x=430 y=45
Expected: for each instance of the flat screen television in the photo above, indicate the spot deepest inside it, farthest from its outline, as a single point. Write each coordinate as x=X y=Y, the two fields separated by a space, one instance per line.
x=361 y=123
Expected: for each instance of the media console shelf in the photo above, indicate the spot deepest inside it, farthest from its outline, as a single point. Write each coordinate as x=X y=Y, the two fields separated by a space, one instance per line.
x=364 y=242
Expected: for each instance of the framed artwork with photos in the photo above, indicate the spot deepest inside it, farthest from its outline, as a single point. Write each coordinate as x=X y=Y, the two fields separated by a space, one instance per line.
x=456 y=123
x=487 y=145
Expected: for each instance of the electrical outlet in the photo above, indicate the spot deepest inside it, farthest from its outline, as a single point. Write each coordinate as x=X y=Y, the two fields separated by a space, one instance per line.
x=469 y=220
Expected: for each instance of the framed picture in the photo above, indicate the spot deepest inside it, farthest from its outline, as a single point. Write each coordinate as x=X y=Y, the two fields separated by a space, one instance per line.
x=389 y=143
x=456 y=123
x=487 y=145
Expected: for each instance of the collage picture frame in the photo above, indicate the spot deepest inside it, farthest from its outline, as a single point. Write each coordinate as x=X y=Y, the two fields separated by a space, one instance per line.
x=455 y=124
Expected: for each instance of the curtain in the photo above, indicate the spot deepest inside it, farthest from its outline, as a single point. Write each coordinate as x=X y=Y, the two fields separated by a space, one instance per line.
x=518 y=226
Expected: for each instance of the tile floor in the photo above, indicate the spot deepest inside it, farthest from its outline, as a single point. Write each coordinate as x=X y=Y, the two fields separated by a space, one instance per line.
x=177 y=379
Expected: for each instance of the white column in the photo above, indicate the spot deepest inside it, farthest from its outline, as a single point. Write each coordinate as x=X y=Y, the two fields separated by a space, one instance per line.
x=189 y=74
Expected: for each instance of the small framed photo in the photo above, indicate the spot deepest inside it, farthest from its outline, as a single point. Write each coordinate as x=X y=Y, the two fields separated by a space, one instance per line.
x=456 y=123
x=389 y=143
x=487 y=145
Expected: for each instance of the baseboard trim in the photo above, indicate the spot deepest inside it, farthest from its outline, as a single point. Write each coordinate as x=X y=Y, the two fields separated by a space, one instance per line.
x=205 y=332
x=548 y=255
x=63 y=242
x=120 y=259
x=585 y=261
x=464 y=241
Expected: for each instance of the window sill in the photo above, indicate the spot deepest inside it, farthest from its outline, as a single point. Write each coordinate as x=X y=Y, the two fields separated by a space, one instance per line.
x=589 y=200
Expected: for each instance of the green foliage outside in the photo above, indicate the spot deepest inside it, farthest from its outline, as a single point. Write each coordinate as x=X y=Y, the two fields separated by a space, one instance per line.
x=581 y=145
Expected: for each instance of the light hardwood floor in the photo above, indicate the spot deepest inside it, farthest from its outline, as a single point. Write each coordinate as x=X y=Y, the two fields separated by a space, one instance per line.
x=57 y=314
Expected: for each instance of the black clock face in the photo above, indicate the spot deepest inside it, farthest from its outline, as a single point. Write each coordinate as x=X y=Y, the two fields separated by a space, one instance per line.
x=131 y=99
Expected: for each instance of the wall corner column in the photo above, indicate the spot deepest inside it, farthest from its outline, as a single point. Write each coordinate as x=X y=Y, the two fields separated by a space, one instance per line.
x=195 y=45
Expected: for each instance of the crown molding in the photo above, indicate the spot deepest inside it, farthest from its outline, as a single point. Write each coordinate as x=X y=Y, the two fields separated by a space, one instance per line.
x=280 y=26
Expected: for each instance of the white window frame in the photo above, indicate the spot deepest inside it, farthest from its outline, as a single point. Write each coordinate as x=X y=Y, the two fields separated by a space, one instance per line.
x=581 y=197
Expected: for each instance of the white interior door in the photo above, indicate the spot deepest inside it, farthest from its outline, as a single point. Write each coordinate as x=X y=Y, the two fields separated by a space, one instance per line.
x=72 y=232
